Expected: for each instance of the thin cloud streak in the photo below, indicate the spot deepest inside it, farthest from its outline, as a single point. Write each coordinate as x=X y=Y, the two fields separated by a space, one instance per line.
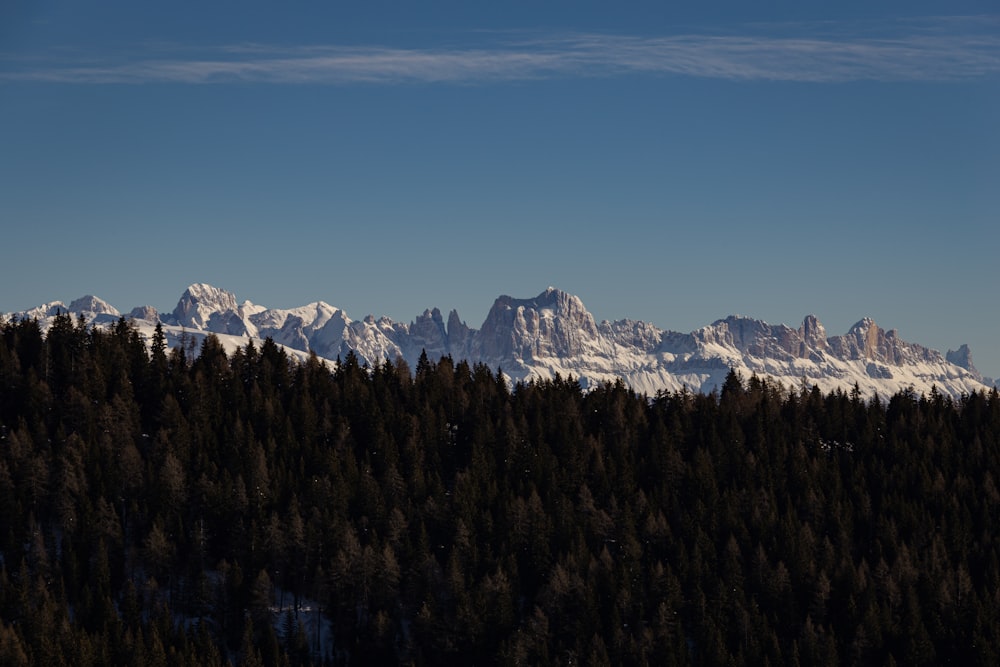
x=920 y=56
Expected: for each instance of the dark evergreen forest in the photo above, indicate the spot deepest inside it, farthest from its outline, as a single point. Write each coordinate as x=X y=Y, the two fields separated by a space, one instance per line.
x=161 y=507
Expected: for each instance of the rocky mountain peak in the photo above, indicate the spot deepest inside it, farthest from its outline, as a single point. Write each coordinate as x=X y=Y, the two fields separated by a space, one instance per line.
x=428 y=332
x=203 y=306
x=199 y=301
x=552 y=324
x=92 y=304
x=867 y=341
x=862 y=341
x=813 y=333
x=962 y=357
x=458 y=333
x=147 y=313
x=753 y=337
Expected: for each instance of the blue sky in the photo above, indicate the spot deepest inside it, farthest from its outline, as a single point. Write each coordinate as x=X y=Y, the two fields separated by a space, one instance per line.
x=674 y=164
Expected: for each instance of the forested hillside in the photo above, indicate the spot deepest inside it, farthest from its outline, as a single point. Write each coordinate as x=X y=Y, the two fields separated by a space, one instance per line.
x=165 y=507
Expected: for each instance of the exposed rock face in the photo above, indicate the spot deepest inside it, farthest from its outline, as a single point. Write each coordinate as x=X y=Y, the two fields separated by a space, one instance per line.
x=521 y=330
x=147 y=313
x=962 y=357
x=428 y=332
x=752 y=337
x=632 y=333
x=813 y=337
x=200 y=303
x=866 y=340
x=459 y=335
x=759 y=339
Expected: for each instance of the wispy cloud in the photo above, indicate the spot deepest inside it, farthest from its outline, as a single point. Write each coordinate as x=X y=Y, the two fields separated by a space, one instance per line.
x=941 y=49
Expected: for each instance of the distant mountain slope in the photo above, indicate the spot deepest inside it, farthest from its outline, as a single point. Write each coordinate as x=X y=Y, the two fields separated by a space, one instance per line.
x=554 y=333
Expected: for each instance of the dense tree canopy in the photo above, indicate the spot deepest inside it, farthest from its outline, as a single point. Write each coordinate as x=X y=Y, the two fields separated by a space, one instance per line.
x=188 y=506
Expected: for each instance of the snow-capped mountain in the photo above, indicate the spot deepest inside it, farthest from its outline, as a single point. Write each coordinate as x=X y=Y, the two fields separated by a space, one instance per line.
x=554 y=333
x=90 y=307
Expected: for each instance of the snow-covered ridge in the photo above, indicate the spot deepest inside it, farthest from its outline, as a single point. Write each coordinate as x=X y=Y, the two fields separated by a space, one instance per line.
x=554 y=333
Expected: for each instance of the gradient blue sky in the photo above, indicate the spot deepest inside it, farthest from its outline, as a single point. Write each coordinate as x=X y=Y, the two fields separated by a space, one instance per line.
x=670 y=162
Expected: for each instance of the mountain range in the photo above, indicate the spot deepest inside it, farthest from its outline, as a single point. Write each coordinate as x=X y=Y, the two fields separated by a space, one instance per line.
x=554 y=333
